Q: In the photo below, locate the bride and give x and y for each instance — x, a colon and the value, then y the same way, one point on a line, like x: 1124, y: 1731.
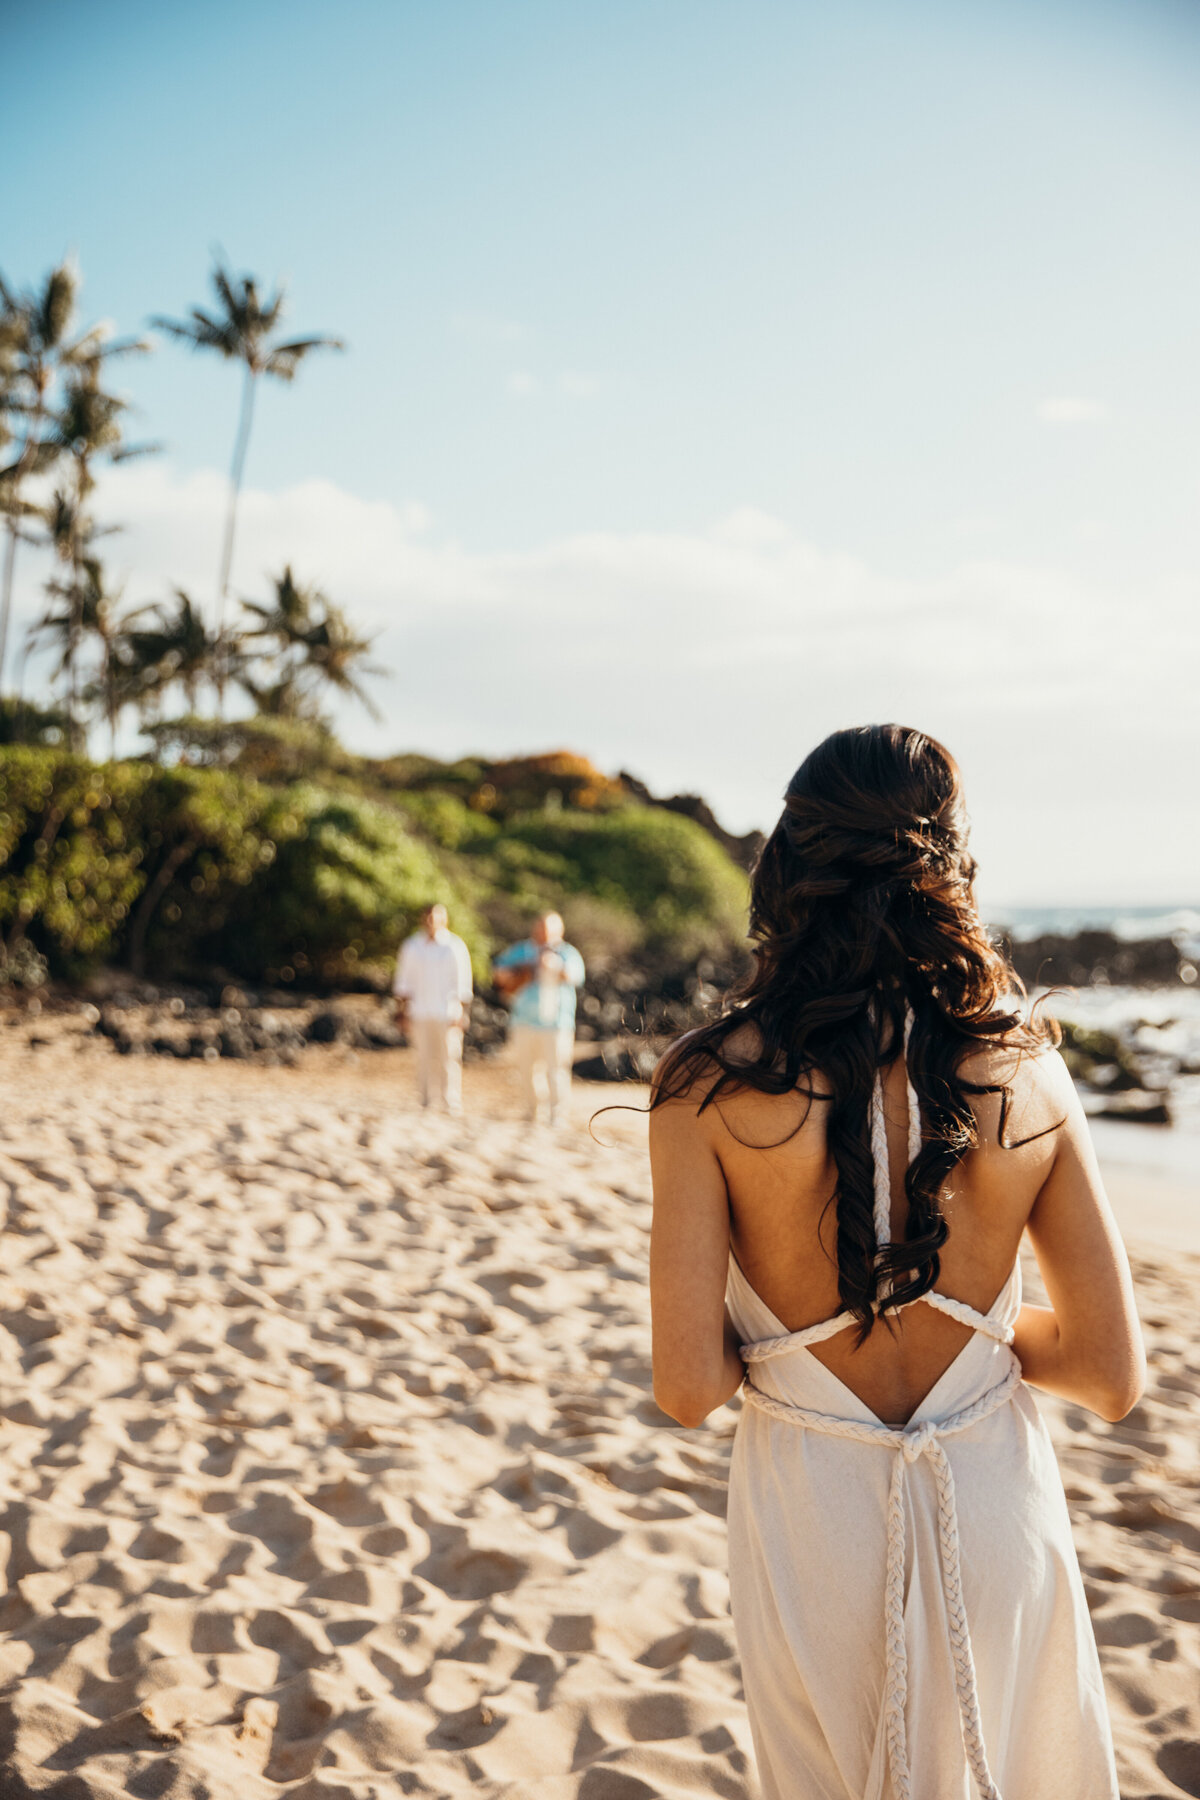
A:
x: 845, y: 1165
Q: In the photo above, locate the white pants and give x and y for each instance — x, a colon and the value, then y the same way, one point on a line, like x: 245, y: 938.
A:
x: 439, y: 1047
x: 544, y: 1068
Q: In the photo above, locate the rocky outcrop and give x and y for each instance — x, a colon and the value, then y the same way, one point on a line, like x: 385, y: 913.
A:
x: 628, y: 1012
x: 742, y: 850
x: 1093, y: 958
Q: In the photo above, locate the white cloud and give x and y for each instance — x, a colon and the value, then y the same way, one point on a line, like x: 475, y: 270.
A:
x: 521, y: 384
x: 1069, y: 409
x: 711, y: 660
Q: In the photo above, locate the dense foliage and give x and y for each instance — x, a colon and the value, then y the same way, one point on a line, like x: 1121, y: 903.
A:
x: 125, y: 859
x: 184, y: 869
x: 653, y: 866
x: 345, y: 884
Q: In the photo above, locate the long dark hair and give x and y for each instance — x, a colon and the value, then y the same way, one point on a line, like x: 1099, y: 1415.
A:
x: 862, y: 907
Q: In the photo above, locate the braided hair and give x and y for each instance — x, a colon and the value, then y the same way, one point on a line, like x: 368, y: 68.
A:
x: 861, y: 908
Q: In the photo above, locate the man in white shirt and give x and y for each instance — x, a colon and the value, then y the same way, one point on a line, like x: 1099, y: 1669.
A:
x: 433, y: 998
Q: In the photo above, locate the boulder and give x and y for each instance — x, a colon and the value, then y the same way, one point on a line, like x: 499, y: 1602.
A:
x: 618, y: 1061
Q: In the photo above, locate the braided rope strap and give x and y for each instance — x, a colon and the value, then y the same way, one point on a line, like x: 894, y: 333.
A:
x: 914, y: 1105
x: 965, y: 1315
x: 879, y: 1148
x: 910, y: 1444
x: 883, y: 1181
x: 762, y: 1349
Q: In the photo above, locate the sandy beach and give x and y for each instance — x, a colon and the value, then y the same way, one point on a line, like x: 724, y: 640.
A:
x: 330, y: 1467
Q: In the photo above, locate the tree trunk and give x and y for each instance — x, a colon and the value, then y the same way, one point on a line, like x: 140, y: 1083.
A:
x: 75, y: 625
x: 28, y: 451
x: 148, y: 904
x: 10, y: 563
x: 240, y: 446
x: 49, y: 832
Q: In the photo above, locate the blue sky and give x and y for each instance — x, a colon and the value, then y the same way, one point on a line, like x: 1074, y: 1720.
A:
x: 716, y: 372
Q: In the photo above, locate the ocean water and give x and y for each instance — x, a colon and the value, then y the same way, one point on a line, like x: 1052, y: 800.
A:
x: 1182, y: 923
x: 1162, y: 1026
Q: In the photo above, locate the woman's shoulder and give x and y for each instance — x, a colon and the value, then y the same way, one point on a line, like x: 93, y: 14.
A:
x: 1022, y: 1090
x: 687, y: 1071
x: 1030, y: 1056
x: 732, y: 1064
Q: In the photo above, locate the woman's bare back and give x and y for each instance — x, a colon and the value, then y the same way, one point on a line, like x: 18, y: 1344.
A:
x: 781, y: 1178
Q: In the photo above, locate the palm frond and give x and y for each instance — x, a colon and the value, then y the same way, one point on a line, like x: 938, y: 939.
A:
x: 56, y: 304
x: 127, y: 346
x: 86, y: 349
x: 284, y: 359
x: 232, y: 302
x: 128, y: 452
x: 202, y: 333
x: 270, y: 314
x: 33, y: 461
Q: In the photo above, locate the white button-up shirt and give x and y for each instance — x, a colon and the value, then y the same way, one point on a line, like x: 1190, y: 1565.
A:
x: 434, y: 975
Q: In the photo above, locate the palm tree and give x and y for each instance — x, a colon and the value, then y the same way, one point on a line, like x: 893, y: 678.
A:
x: 336, y: 656
x: 313, y: 644
x: 178, y: 647
x: 281, y: 697
x: 11, y: 400
x: 291, y: 614
x: 86, y: 426
x: 88, y: 610
x: 113, y: 684
x: 285, y: 624
x: 36, y: 331
x: 240, y: 329
x: 71, y: 532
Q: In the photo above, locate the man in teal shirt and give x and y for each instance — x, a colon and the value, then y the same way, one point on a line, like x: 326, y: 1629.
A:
x: 540, y: 976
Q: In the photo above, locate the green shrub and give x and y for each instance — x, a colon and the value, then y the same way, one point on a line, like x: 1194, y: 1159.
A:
x: 605, y: 935
x: 178, y: 870
x: 658, y: 867
x: 346, y: 884
x: 173, y: 870
x: 24, y: 722
x: 445, y: 819
x: 263, y: 748
x: 97, y: 859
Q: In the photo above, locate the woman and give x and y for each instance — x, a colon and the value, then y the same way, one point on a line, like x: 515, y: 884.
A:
x: 844, y: 1166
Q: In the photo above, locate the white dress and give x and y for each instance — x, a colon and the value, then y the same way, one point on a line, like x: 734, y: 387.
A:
x: 907, y: 1600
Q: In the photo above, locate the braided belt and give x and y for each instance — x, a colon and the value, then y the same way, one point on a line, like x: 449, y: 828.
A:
x: 910, y: 1445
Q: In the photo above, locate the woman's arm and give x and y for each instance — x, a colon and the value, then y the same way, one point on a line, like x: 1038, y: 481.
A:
x: 696, y: 1361
x: 1087, y: 1345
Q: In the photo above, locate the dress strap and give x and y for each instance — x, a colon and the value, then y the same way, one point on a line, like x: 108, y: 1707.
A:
x: 966, y: 1315
x: 879, y: 1148
x: 763, y: 1349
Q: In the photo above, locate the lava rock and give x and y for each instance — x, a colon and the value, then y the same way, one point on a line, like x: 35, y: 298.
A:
x: 618, y: 1062
x: 1137, y: 1107
x: 326, y: 1027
